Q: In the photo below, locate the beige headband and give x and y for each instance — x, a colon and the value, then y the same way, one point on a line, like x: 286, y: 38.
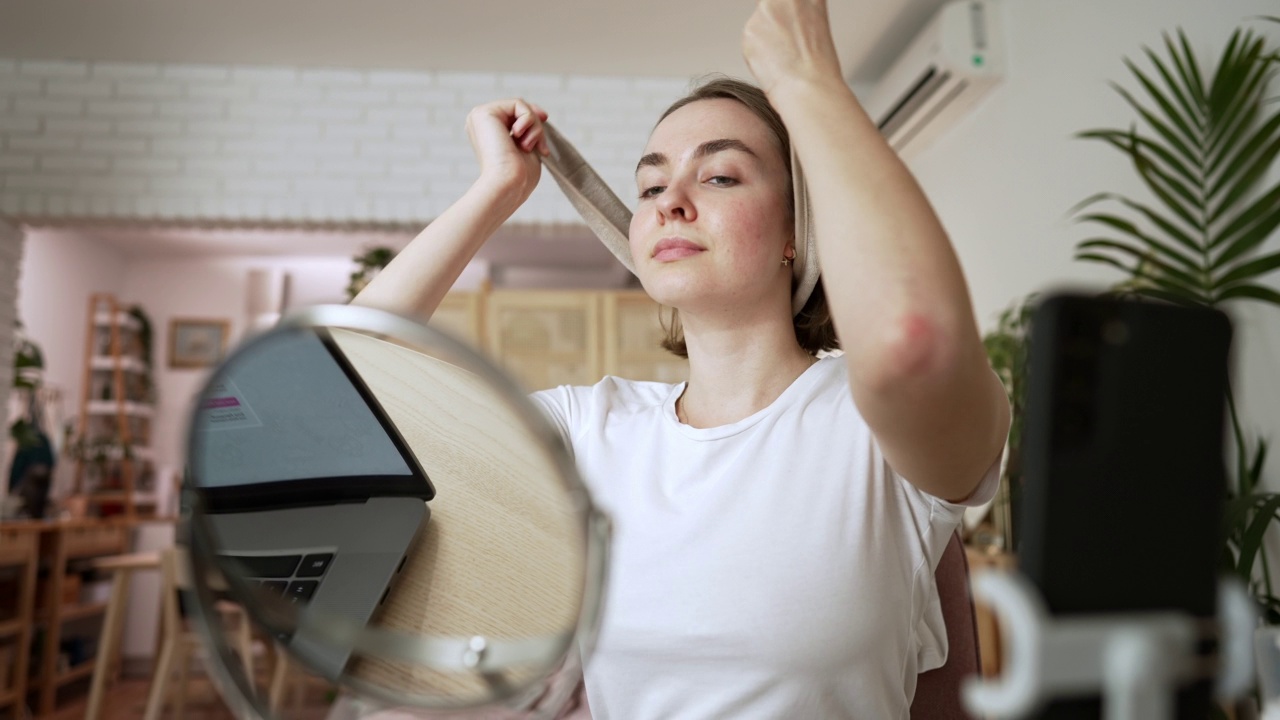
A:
x: 610, y: 220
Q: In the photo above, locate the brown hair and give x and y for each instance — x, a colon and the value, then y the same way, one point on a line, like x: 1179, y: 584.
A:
x: 814, y: 328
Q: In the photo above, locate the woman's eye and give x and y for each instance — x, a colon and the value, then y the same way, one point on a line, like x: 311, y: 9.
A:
x: 722, y: 181
x: 651, y: 191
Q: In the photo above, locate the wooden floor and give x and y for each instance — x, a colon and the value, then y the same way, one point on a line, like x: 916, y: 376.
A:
x: 127, y: 700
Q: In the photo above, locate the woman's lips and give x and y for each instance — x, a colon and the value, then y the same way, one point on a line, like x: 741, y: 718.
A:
x: 675, y: 249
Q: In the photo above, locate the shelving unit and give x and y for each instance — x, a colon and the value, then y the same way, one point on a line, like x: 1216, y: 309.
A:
x: 115, y: 413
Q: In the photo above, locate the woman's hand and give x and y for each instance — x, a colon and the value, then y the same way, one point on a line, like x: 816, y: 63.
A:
x: 790, y: 40
x: 508, y: 138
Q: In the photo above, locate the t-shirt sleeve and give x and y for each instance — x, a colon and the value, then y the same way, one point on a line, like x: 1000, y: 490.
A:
x: 936, y: 520
x: 556, y: 405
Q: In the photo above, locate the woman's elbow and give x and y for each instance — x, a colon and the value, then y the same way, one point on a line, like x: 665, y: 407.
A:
x: 912, y: 351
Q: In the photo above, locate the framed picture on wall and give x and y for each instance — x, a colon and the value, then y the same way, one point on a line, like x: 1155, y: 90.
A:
x: 197, y: 343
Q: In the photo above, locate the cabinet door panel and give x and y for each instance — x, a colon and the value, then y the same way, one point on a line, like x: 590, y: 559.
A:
x: 461, y: 314
x: 546, y: 338
x: 633, y: 334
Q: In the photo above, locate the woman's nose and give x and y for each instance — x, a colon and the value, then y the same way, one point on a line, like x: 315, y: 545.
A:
x: 676, y: 202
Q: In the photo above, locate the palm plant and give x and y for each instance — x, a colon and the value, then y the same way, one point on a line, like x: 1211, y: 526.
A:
x: 1204, y: 151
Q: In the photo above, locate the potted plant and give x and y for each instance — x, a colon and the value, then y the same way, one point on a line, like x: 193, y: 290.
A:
x: 368, y: 265
x: 1006, y: 347
x: 1203, y: 144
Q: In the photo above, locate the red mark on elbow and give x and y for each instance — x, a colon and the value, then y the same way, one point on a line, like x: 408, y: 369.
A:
x: 913, y: 348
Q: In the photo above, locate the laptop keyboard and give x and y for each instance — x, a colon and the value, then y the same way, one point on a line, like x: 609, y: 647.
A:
x: 296, y: 577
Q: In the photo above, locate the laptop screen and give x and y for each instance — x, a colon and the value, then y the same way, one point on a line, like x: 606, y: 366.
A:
x: 291, y: 415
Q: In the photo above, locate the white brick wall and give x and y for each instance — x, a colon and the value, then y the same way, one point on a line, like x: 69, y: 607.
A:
x: 197, y: 143
x: 10, y: 260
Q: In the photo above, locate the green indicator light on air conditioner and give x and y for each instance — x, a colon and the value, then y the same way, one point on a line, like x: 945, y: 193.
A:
x: 977, y: 61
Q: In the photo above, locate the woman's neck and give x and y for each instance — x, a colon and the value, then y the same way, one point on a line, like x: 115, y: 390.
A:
x: 738, y: 369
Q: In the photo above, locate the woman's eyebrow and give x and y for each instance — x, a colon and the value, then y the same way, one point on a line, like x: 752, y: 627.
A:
x: 709, y: 147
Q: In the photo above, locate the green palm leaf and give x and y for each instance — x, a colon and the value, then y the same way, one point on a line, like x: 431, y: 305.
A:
x: 1251, y: 269
x: 1239, y: 127
x: 1251, y: 292
x: 1161, y: 127
x: 1121, y: 141
x: 1250, y: 85
x: 1183, y: 123
x: 1139, y: 271
x: 1256, y: 150
x: 1196, y: 82
x: 1189, y: 108
x: 1249, y: 229
x: 1118, y: 223
x: 1170, y: 273
x: 1166, y: 225
x: 1251, y: 540
x: 1255, y: 166
x: 1159, y: 184
x: 1236, y: 65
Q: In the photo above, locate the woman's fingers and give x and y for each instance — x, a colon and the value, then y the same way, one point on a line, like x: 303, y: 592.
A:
x: 527, y: 130
x: 542, y: 140
x: 527, y: 127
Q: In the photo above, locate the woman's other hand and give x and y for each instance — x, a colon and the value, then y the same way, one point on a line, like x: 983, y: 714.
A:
x: 790, y: 39
x: 508, y: 140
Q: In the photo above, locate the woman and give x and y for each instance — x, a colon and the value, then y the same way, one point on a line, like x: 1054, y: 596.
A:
x: 777, y: 517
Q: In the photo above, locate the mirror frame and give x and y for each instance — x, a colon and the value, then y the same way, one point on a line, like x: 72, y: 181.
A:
x: 237, y: 690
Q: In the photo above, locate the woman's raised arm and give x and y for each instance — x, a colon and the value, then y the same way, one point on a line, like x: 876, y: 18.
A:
x: 508, y: 138
x: 897, y: 295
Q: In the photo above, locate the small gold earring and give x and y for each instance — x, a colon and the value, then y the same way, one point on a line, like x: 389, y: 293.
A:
x: 786, y: 262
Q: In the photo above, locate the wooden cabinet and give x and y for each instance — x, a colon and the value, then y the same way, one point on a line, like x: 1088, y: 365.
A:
x: 632, y: 334
x: 461, y: 314
x: 546, y: 338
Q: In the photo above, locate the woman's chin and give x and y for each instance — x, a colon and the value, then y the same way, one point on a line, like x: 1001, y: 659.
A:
x: 674, y: 292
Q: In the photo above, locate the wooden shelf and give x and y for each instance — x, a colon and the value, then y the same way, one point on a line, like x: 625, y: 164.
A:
x: 122, y: 496
x: 122, y: 318
x: 111, y: 407
x: 11, y: 627
x: 83, y: 670
x: 127, y: 363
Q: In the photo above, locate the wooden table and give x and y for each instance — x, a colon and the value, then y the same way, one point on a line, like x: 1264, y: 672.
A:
x: 58, y: 542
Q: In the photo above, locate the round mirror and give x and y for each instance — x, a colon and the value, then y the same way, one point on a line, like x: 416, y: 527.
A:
x: 372, y: 505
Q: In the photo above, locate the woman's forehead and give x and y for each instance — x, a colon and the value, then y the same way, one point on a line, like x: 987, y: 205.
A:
x: 683, y: 131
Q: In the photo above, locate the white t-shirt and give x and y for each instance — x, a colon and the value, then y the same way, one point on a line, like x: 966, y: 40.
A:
x: 772, y: 568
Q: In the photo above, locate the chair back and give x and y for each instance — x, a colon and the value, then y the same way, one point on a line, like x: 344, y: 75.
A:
x: 938, y: 691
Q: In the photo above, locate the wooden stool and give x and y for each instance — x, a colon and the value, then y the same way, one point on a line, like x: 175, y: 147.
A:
x: 179, y: 643
x: 121, y: 568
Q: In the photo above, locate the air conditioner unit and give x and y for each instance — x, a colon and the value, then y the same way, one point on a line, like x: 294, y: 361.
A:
x: 949, y: 66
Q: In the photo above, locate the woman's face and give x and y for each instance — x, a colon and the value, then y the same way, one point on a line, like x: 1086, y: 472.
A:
x: 712, y: 223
